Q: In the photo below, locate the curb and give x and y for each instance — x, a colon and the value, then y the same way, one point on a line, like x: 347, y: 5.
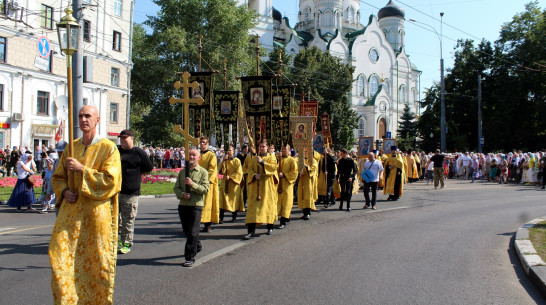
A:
x: 532, y: 264
x: 157, y: 196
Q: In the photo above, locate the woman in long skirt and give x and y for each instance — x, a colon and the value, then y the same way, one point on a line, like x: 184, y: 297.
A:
x: 23, y: 194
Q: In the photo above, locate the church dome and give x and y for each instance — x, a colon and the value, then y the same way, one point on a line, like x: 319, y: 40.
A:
x: 391, y: 10
x: 277, y: 15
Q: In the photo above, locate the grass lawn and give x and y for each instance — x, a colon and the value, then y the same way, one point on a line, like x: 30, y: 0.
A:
x: 537, y: 234
x: 145, y: 189
x: 156, y: 188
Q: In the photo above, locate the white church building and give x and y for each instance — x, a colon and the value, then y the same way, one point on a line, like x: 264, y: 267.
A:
x: 385, y: 80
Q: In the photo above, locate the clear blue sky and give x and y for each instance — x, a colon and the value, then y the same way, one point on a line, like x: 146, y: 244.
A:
x: 463, y: 19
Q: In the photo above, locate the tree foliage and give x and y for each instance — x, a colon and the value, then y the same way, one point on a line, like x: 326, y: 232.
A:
x: 326, y: 79
x: 407, y: 130
x: 171, y: 46
x: 513, y: 74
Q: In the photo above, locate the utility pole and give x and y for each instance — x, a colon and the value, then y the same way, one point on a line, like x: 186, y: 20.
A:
x: 442, y: 93
x: 77, y: 72
x: 479, y: 113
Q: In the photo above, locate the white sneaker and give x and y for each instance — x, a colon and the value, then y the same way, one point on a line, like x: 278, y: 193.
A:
x: 444, y: 187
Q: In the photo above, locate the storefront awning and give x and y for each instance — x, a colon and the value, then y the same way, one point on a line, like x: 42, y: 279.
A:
x: 44, y: 130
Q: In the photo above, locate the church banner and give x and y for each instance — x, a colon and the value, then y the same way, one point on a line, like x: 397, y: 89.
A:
x: 325, y: 123
x: 201, y: 114
x: 257, y: 94
x: 309, y: 108
x: 226, y: 105
x: 280, y: 114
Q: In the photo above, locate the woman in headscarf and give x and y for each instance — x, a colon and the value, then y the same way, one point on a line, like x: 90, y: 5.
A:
x: 22, y: 193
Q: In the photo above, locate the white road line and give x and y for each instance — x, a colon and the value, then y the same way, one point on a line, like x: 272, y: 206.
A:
x: 4, y: 229
x: 25, y: 229
x: 220, y: 252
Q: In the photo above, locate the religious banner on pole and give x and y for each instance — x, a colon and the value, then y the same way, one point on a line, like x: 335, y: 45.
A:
x: 257, y: 95
x: 280, y: 114
x: 309, y: 108
x: 302, y: 137
x: 226, y: 108
x: 326, y: 134
x: 201, y: 114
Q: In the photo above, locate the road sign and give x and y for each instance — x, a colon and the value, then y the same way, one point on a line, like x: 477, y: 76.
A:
x: 44, y: 48
x: 482, y: 141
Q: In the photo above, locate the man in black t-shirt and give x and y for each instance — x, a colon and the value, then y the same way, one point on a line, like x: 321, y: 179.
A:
x: 438, y: 160
x: 134, y: 162
x: 346, y: 172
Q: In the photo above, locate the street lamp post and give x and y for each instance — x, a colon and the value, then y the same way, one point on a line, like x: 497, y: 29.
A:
x: 68, y: 30
x: 442, y: 87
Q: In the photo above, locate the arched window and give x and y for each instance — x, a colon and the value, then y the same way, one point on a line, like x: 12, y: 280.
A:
x: 382, y: 128
x: 319, y: 18
x: 361, y: 127
x: 307, y: 14
x: 374, y: 85
x: 402, y: 95
x: 351, y: 14
x: 328, y: 18
x: 414, y: 95
x: 361, y: 85
x: 387, y: 87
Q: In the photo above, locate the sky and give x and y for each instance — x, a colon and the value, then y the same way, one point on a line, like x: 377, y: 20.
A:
x: 463, y: 19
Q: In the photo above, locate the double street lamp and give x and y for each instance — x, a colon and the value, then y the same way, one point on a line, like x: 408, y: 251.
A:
x: 68, y: 30
x: 442, y: 87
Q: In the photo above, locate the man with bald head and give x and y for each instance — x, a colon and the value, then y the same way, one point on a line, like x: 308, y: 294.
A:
x: 375, y: 168
x: 83, y: 246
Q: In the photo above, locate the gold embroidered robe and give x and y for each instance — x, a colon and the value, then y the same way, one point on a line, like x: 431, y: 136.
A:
x: 265, y: 209
x: 289, y: 168
x: 83, y: 245
x: 307, y: 185
x: 211, y: 209
x: 230, y: 193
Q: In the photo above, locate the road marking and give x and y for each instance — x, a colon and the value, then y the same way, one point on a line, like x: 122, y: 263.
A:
x: 220, y: 252
x: 4, y: 229
x: 26, y: 229
x: 389, y: 209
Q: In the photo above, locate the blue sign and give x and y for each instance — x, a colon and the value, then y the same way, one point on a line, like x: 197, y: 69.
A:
x: 389, y: 135
x: 482, y: 141
x: 44, y: 48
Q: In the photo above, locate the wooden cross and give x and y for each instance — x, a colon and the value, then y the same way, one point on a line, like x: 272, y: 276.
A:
x: 186, y: 100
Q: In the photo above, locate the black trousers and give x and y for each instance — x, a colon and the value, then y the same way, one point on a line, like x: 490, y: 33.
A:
x: 190, y: 217
x: 346, y: 190
x: 252, y: 227
x: 367, y: 187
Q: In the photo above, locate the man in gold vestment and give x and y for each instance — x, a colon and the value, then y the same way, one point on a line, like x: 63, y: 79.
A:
x: 261, y: 179
x: 394, y: 175
x: 211, y: 210
x: 82, y: 249
x: 288, y: 173
x: 307, y: 185
x: 231, y: 195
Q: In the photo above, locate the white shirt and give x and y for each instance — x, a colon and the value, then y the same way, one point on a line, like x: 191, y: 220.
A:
x: 21, y: 172
x: 466, y: 160
x: 375, y: 168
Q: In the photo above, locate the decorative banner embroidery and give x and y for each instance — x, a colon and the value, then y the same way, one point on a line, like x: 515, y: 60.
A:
x: 226, y: 106
x: 302, y: 137
x: 325, y: 123
x: 309, y: 108
x: 201, y: 114
x: 257, y: 94
x: 280, y: 113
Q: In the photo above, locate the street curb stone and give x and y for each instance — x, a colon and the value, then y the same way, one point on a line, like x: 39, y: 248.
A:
x: 533, y: 265
x: 157, y: 196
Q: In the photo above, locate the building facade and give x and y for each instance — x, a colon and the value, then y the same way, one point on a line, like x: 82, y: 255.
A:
x: 385, y: 80
x: 33, y: 84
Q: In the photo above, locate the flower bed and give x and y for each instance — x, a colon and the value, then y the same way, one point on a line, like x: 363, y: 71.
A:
x: 151, y: 179
x: 11, y: 181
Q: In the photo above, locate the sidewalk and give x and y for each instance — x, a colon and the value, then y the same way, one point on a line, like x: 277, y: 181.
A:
x: 533, y: 265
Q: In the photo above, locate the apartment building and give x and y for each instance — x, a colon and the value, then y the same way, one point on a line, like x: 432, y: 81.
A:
x: 33, y: 84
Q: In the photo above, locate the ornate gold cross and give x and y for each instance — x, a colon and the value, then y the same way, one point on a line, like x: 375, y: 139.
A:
x: 186, y: 100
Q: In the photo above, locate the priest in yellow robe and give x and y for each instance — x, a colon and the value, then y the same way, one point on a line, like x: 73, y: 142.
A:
x: 261, y: 179
x: 211, y: 210
x: 288, y: 174
x: 83, y: 245
x: 394, y: 169
x: 231, y: 195
x: 413, y: 175
x: 307, y: 185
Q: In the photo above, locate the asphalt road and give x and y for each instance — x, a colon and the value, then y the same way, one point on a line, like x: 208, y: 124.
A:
x: 450, y: 246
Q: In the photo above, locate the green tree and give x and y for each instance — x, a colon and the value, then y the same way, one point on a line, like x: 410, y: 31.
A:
x: 407, y: 130
x: 326, y: 79
x: 171, y: 46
